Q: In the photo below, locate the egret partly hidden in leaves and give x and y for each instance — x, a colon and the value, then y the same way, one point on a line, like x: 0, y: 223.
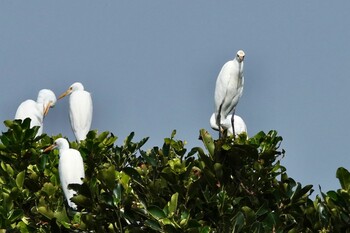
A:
x: 229, y: 89
x: 80, y: 110
x: 240, y: 126
x: 37, y: 110
x: 70, y: 168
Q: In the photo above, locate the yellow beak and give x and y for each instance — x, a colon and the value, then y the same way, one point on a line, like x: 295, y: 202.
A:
x: 47, y: 108
x: 50, y: 148
x: 65, y: 93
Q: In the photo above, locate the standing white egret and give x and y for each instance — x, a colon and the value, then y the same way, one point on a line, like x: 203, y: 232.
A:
x: 70, y: 168
x: 80, y: 110
x: 37, y: 110
x: 240, y: 126
x: 229, y: 89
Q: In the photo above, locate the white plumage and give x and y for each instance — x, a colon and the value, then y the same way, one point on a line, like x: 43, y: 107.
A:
x: 37, y: 110
x: 240, y: 126
x: 229, y: 89
x: 70, y: 168
x: 80, y: 110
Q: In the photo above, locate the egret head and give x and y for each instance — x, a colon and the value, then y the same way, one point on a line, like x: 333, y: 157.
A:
x: 74, y: 87
x: 240, y: 56
x: 77, y: 86
x: 60, y: 143
x: 47, y: 98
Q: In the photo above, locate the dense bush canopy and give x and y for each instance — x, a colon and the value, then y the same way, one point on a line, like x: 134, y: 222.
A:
x: 230, y: 186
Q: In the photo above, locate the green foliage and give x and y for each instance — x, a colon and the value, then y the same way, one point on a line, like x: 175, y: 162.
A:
x: 232, y: 186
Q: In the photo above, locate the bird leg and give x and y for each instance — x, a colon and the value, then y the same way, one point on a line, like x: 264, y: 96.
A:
x: 233, y: 125
x: 220, y: 128
x: 218, y: 122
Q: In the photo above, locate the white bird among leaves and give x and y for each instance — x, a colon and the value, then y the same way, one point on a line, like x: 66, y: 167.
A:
x: 229, y: 89
x: 70, y: 168
x: 80, y: 110
x: 37, y: 110
x: 240, y: 126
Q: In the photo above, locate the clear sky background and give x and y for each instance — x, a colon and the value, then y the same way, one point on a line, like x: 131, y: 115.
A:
x: 151, y: 67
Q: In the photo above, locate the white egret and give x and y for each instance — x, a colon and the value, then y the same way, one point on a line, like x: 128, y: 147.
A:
x: 229, y: 89
x: 240, y: 126
x: 70, y: 168
x: 80, y: 110
x: 37, y: 110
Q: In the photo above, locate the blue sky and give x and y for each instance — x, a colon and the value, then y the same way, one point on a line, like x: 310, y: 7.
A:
x: 151, y: 67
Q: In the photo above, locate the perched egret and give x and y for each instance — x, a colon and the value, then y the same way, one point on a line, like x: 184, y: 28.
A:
x: 80, y: 110
x: 228, y: 89
x: 70, y: 168
x: 240, y: 126
x: 37, y: 110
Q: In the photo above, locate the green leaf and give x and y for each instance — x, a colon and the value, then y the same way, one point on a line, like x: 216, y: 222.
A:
x: 49, y: 189
x: 15, y: 214
x: 150, y: 158
x: 43, y: 161
x: 8, y: 123
x: 81, y: 200
x: 117, y: 194
x: 153, y: 224
x: 173, y: 134
x: 7, y: 168
x: 208, y: 141
x: 20, y: 179
x: 44, y: 210
x: 61, y: 216
x: 249, y: 214
x: 172, y: 205
x: 102, y: 136
x: 108, y: 177
x: 205, y: 229
x: 133, y: 174
x: 218, y: 168
x: 156, y: 212
x: 185, y: 216
x: 129, y: 138
x: 344, y: 178
x: 238, y: 222
x: 270, y: 221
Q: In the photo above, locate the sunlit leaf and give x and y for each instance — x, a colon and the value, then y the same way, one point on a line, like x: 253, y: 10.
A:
x: 344, y: 178
x: 208, y: 141
x: 20, y: 179
x: 44, y: 210
x: 172, y: 205
x: 49, y: 189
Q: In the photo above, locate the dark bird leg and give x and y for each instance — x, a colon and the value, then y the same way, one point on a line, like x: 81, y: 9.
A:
x: 218, y: 121
x: 233, y: 124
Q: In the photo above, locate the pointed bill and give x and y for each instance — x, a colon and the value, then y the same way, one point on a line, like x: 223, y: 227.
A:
x: 47, y: 108
x: 50, y: 148
x: 65, y: 93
